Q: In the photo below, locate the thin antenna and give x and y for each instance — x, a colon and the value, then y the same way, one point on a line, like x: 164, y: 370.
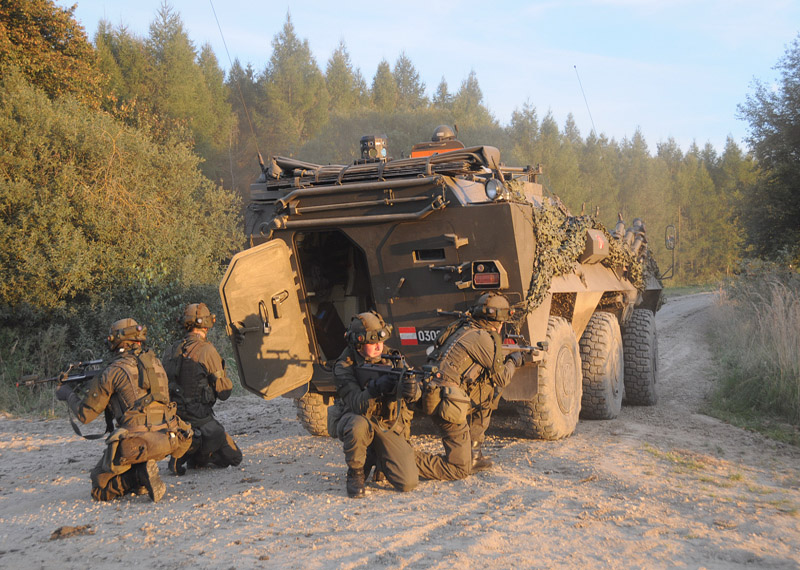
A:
x: 238, y: 86
x: 584, y: 100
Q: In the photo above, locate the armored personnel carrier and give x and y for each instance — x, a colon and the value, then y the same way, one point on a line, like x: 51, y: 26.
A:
x: 419, y: 239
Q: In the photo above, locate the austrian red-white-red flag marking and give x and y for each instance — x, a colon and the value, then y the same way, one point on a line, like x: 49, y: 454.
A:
x: 408, y: 335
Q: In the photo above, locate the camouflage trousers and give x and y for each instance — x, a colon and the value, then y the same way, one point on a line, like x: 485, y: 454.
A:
x: 393, y: 452
x: 214, y: 446
x: 118, y: 471
x: 457, y: 439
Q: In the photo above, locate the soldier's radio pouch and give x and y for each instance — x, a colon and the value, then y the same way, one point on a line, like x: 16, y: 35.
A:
x: 454, y: 406
x: 446, y: 400
x: 431, y: 397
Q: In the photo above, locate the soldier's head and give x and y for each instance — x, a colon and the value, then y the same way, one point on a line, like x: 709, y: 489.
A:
x: 367, y: 333
x: 443, y: 133
x: 492, y: 309
x: 125, y: 334
x: 197, y: 316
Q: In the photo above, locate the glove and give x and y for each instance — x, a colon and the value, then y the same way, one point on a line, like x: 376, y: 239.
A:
x: 380, y: 386
x: 517, y: 358
x: 63, y: 392
x: 411, y: 389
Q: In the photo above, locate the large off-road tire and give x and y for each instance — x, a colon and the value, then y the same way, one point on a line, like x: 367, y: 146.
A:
x: 312, y: 411
x: 640, y: 345
x: 603, y: 366
x: 553, y: 412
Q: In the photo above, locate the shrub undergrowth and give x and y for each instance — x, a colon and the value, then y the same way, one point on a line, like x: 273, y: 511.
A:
x: 44, y: 343
x: 756, y: 335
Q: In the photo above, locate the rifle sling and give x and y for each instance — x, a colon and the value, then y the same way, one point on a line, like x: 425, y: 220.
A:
x: 77, y: 430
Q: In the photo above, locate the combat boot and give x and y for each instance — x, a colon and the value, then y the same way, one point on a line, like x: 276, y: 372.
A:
x: 151, y: 480
x: 372, y: 461
x: 176, y: 466
x: 479, y: 461
x: 356, y: 488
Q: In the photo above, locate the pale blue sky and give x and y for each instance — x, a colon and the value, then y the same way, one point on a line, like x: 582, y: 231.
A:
x: 672, y: 68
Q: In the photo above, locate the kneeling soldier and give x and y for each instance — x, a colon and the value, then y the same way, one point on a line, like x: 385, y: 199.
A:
x: 133, y: 390
x: 369, y: 416
x: 197, y: 379
x: 472, y: 371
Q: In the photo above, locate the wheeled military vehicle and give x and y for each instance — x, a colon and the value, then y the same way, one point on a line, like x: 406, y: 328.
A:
x: 419, y: 239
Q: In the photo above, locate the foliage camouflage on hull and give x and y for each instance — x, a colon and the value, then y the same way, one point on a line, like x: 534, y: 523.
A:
x: 560, y: 240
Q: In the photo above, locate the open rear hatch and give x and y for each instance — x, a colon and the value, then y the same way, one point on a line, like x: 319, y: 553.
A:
x: 265, y: 321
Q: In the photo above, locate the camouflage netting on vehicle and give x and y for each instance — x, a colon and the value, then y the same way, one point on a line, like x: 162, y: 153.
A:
x: 561, y: 239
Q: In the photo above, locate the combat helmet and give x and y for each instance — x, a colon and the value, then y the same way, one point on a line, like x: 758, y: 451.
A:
x: 492, y: 307
x: 125, y: 330
x: 367, y: 328
x: 197, y: 315
x: 443, y: 133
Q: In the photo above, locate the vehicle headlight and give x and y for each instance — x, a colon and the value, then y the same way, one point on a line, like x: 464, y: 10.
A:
x: 493, y: 188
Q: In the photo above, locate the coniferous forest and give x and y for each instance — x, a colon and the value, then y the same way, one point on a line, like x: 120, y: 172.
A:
x: 126, y: 163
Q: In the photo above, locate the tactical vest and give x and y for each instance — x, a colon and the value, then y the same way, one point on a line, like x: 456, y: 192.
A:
x: 454, y: 361
x: 145, y: 398
x: 188, y: 379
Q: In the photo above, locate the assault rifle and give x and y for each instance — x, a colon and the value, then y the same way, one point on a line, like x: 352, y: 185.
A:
x: 520, y: 345
x: 76, y: 373
x: 398, y: 370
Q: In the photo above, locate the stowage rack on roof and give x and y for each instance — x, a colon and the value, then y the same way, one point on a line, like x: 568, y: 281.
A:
x: 287, y: 173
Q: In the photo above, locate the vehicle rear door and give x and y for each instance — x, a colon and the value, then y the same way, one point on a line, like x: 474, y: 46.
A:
x: 265, y: 322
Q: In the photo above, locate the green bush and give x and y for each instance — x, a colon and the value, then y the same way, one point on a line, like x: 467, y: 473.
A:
x: 756, y: 332
x: 100, y: 222
x: 91, y: 206
x: 43, y: 343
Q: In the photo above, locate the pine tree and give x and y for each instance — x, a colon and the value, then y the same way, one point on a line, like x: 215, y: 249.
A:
x: 296, y: 99
x: 384, y: 88
x: 215, y: 124
x: 468, y: 107
x: 442, y: 99
x: 524, y: 133
x: 410, y: 89
x: 342, y: 82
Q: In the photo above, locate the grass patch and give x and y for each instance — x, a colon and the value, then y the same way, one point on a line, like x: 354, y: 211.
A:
x: 759, y: 489
x: 680, y: 458
x: 755, y: 335
x: 773, y: 427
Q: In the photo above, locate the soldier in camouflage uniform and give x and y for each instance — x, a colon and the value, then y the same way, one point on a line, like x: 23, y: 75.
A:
x: 197, y: 379
x: 133, y: 390
x: 472, y: 373
x: 367, y: 416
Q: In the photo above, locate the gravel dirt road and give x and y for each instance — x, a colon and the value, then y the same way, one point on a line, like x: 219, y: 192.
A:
x: 658, y: 487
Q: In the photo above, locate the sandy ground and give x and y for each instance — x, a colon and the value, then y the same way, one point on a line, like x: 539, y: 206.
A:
x: 659, y: 487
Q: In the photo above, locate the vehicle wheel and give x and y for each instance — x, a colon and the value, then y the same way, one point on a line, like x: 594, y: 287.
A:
x: 553, y: 412
x: 313, y: 413
x: 640, y: 346
x: 603, y: 366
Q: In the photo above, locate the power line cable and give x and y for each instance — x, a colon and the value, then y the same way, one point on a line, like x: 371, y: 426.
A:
x: 584, y: 100
x: 238, y: 85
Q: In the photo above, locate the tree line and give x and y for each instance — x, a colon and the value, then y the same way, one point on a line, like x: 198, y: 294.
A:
x: 129, y: 155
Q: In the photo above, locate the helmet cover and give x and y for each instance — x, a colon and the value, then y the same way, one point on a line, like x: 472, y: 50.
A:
x: 197, y: 315
x: 125, y: 330
x: 368, y: 328
x: 492, y: 307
